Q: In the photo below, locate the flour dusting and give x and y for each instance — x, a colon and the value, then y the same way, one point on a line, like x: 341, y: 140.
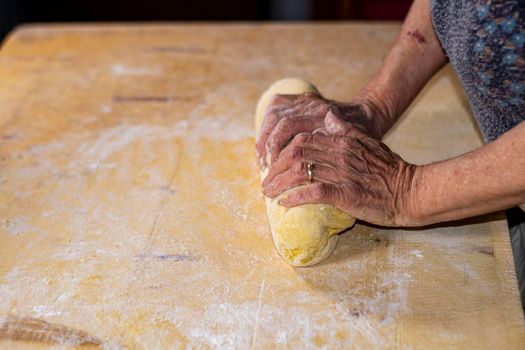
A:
x: 120, y: 69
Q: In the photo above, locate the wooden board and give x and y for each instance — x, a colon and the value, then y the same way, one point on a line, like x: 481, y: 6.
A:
x: 130, y: 206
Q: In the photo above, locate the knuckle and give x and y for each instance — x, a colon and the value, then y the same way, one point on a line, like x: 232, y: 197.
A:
x: 284, y: 122
x: 319, y: 192
x: 302, y: 138
x: 297, y: 153
x: 275, y: 99
x: 270, y: 114
x: 298, y: 169
x: 323, y: 108
x: 277, y: 134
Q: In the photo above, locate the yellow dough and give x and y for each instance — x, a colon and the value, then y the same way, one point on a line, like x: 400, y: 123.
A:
x: 307, y: 234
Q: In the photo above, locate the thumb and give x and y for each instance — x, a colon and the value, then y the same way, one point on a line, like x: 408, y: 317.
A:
x: 336, y: 126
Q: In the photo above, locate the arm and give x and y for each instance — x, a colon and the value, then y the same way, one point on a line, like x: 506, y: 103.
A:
x: 362, y: 176
x: 487, y: 179
x: 415, y: 57
x: 413, y: 60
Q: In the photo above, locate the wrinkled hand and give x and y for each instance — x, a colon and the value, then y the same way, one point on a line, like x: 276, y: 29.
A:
x: 352, y: 171
x: 289, y: 115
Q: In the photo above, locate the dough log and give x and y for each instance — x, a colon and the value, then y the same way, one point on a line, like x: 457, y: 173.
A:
x: 307, y: 234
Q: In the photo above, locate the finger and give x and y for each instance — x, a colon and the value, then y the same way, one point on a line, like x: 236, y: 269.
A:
x: 298, y: 154
x: 280, y: 106
x: 304, y: 104
x: 282, y: 99
x: 337, y: 126
x: 313, y: 140
x: 298, y: 175
x: 293, y: 153
x: 320, y: 140
x: 286, y: 129
x: 271, y: 118
x: 321, y: 131
x: 317, y: 140
x: 316, y: 193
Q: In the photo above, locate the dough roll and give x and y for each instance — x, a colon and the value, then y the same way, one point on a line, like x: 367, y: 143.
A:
x: 307, y: 234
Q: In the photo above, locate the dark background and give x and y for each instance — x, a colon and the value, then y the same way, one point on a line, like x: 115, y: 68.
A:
x: 13, y: 12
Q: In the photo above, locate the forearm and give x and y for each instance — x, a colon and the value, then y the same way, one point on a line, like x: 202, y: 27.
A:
x: 487, y: 179
x: 415, y: 57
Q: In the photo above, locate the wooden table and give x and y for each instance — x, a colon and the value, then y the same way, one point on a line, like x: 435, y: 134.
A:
x: 130, y: 206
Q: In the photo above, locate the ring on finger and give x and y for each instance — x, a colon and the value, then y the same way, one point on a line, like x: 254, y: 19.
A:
x: 310, y: 171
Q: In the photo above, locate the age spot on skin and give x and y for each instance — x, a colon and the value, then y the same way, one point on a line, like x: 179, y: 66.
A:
x: 417, y: 35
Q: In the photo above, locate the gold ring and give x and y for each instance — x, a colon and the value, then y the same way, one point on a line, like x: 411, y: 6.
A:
x: 310, y: 171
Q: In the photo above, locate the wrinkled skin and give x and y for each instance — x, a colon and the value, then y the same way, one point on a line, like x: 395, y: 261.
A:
x: 352, y: 171
x: 289, y: 115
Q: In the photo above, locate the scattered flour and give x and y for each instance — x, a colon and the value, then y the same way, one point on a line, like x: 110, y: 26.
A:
x: 223, y: 320
x: 120, y: 69
x: 417, y: 253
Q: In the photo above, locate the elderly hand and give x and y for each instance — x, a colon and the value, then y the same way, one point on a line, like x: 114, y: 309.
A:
x: 289, y: 115
x: 351, y: 171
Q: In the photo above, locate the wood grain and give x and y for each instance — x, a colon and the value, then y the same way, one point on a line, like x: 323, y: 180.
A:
x: 130, y: 205
x: 35, y: 330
